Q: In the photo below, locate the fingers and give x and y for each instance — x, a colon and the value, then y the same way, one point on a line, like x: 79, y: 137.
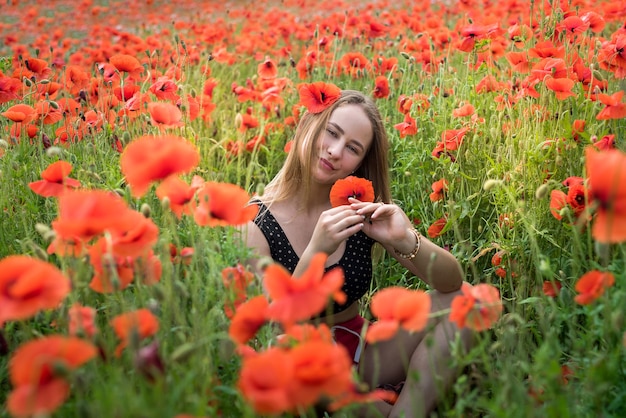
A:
x: 371, y: 209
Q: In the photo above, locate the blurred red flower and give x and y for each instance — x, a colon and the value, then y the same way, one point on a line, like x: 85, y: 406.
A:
x: 591, y: 285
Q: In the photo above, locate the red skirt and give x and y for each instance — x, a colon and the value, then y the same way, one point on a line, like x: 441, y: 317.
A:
x: 349, y: 334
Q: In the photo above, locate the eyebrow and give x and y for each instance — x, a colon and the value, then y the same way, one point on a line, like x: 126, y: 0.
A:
x: 353, y: 141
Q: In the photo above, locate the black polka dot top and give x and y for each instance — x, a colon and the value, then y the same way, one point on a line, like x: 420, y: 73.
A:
x: 356, y: 260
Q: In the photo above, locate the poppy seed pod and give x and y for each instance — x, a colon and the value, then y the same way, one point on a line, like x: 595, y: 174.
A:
x: 541, y: 191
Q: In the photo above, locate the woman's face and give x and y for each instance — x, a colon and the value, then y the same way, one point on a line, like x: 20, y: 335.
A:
x: 343, y: 145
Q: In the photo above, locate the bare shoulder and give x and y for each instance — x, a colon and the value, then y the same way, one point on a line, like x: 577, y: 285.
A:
x: 255, y: 239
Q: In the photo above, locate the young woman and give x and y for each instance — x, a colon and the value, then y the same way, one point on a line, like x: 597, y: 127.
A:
x: 296, y: 221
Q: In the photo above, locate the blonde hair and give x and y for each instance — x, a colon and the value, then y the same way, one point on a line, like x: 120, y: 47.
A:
x: 293, y: 176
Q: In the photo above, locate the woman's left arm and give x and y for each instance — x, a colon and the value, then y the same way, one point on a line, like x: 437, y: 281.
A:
x: 389, y: 225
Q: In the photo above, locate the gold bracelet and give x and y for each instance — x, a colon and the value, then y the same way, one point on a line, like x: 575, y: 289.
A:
x: 418, y: 243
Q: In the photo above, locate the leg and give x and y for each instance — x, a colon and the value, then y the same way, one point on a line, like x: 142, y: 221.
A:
x: 421, y: 359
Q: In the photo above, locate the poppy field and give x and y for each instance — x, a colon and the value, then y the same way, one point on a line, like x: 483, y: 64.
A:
x: 133, y: 135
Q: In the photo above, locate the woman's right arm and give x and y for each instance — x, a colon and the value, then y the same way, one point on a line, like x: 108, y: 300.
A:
x: 254, y: 239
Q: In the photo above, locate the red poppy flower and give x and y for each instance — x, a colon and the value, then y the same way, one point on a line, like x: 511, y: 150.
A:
x: 82, y: 321
x: 397, y: 307
x: 607, y: 187
x: 318, y: 96
x: 438, y: 187
x: 20, y: 113
x: 607, y: 142
x: 165, y: 115
x: 164, y: 88
x: 154, y: 158
x: 265, y: 380
x: 614, y: 107
x: 464, y: 110
x: 111, y: 273
x: 407, y: 127
x: 381, y: 87
x: 562, y: 87
x: 267, y: 69
x: 141, y: 323
x: 249, y: 317
x: 9, y: 89
x: 84, y: 214
x: 29, y: 285
x: 296, y: 299
x: 179, y: 193
x: 222, y: 204
x: 551, y: 289
x: 236, y: 280
x: 48, y: 114
x: 577, y: 198
x: 125, y: 63
x: 351, y: 187
x: 321, y: 370
x: 558, y: 200
x: 39, y: 389
x: 246, y: 121
x: 596, y: 22
x: 55, y: 180
x: 434, y: 230
x: 592, y: 285
x: 572, y: 26
x: 478, y: 308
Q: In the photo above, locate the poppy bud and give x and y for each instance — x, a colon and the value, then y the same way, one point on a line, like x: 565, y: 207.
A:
x: 28, y: 82
x: 181, y: 289
x: 404, y: 55
x: 264, y: 262
x: 184, y: 352
x: 165, y: 203
x: 541, y: 191
x: 153, y: 306
x: 260, y: 189
x: 45, y: 231
x: 602, y: 250
x: 145, y: 210
x: 54, y: 151
x: 490, y: 184
x: 39, y: 252
x: 545, y: 268
x: 158, y: 292
x: 238, y: 120
x: 44, y: 81
x: 53, y: 104
x: 617, y: 319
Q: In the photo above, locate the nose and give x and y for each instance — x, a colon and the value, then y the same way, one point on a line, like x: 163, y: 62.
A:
x: 334, y: 149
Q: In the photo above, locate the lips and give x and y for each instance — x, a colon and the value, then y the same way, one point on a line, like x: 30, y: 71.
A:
x: 326, y: 164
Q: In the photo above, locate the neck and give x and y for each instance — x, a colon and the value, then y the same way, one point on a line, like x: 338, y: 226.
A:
x: 317, y: 201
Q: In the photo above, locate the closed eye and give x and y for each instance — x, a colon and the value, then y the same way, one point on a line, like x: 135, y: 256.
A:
x: 332, y: 133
